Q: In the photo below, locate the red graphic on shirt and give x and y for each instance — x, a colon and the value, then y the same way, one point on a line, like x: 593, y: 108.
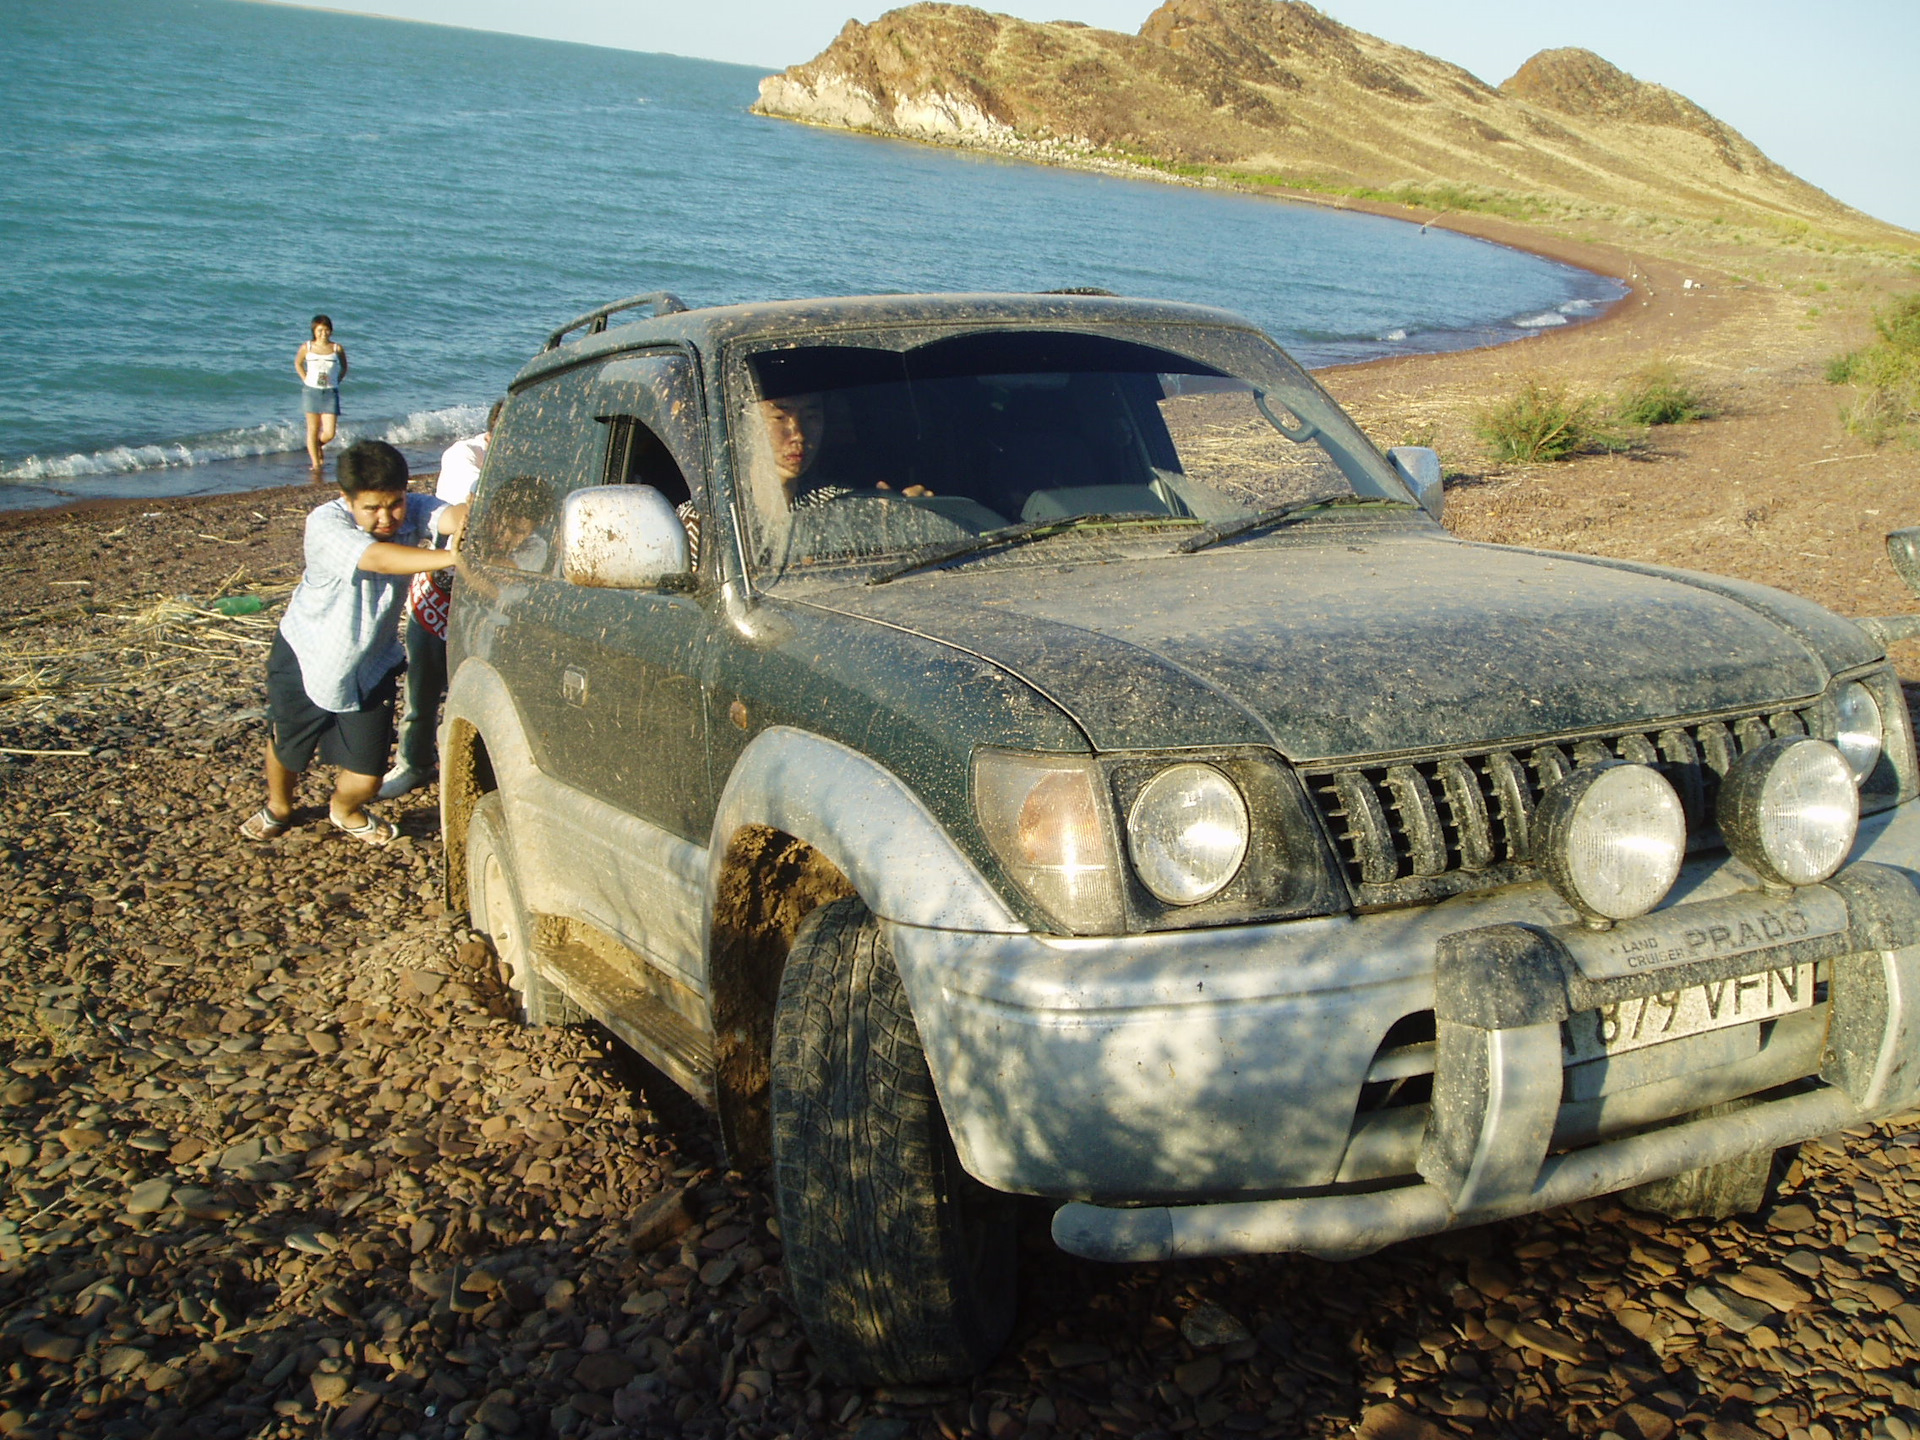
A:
x: 431, y: 599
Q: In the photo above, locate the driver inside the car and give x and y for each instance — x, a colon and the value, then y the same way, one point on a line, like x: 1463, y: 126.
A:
x: 788, y: 440
x: 788, y: 433
x: 796, y: 428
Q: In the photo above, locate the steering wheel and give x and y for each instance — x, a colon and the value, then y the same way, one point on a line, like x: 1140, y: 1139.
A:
x: 961, y: 509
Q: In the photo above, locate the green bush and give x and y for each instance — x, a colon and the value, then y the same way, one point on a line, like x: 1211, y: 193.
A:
x: 1899, y: 324
x: 1660, y: 394
x: 1544, y: 422
x: 1885, y: 376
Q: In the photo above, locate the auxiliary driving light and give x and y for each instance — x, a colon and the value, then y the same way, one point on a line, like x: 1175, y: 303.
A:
x: 1790, y: 809
x: 1610, y: 838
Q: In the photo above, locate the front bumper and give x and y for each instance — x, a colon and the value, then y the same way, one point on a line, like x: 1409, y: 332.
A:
x: 1219, y: 1073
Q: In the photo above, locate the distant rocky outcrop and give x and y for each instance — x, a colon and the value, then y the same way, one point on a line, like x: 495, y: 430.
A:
x: 1282, y: 93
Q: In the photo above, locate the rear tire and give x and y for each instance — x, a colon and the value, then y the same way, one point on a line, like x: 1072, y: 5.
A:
x: 495, y: 910
x: 902, y: 1265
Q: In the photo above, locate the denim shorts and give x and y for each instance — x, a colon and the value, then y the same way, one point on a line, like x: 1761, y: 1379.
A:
x: 316, y: 401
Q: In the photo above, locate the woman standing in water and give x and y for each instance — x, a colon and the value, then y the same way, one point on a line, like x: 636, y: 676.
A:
x: 321, y: 364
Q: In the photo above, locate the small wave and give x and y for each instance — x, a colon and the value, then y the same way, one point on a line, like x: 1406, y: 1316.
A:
x: 423, y: 427
x: 1544, y: 320
x: 1394, y: 336
x: 1579, y: 307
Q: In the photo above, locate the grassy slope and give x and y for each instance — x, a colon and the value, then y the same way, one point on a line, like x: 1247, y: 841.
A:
x: 1279, y: 96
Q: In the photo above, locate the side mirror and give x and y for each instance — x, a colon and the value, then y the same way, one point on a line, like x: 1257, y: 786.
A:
x: 622, y: 537
x: 1903, y: 548
x: 1420, y: 468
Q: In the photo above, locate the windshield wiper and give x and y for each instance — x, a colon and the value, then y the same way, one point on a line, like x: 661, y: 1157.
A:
x: 1022, y: 534
x: 1278, y: 515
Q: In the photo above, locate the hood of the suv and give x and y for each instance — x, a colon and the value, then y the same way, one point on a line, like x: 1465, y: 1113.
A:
x: 1357, y: 643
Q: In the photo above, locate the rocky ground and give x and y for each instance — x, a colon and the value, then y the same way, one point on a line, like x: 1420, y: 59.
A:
x: 277, y: 1164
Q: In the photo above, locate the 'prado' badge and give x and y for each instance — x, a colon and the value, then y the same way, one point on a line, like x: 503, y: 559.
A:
x: 1711, y: 930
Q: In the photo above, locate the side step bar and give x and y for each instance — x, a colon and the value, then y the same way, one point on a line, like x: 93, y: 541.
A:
x: 630, y: 1011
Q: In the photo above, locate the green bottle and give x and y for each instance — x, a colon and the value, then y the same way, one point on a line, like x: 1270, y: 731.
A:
x: 239, y: 605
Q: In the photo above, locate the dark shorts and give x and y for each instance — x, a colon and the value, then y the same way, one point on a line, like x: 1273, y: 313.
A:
x: 357, y: 740
x: 315, y: 401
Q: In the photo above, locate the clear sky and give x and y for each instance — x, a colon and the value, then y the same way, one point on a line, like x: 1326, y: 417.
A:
x: 1825, y: 87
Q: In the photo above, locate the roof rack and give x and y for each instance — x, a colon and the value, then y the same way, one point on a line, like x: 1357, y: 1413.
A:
x: 662, y: 302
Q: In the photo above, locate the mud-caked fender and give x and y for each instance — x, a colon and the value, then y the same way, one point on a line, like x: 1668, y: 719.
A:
x: 862, y: 818
x: 483, y: 746
x: 801, y: 821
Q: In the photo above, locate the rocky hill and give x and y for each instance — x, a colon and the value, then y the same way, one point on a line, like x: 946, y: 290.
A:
x: 1281, y: 94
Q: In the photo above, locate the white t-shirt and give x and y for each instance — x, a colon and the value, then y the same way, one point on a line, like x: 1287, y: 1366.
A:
x: 459, y: 468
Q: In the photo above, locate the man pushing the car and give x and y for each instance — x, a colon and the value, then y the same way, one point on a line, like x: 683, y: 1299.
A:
x: 331, y: 673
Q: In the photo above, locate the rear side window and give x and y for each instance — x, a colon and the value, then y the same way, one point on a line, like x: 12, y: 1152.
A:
x: 546, y: 445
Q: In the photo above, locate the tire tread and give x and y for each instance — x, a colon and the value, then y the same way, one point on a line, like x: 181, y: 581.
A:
x: 864, y: 1172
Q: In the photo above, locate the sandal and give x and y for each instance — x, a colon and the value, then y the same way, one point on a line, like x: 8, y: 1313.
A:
x: 374, y: 831
x: 264, y: 825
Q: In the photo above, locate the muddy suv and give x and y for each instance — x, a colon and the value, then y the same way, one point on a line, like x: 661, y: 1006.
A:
x: 1001, y: 746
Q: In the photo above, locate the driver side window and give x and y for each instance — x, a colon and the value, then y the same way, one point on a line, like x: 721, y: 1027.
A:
x: 650, y: 407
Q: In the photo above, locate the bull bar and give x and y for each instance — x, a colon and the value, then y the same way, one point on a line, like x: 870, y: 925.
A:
x: 1503, y: 993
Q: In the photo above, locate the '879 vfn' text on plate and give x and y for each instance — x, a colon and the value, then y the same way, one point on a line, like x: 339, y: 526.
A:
x: 1691, y: 1010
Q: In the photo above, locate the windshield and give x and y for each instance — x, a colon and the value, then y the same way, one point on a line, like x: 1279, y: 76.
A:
x: 875, y: 449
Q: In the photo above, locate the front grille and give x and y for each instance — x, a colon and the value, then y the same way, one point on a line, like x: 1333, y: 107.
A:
x: 1421, y: 828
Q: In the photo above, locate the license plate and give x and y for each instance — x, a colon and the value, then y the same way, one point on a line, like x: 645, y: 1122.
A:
x: 1690, y: 1010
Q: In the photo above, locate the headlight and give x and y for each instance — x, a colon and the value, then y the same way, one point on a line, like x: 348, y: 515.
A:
x: 1860, y: 731
x: 1187, y: 833
x: 1610, y: 838
x: 1790, y: 808
x: 1047, y: 821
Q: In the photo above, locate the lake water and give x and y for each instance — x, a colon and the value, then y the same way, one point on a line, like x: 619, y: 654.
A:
x: 187, y: 181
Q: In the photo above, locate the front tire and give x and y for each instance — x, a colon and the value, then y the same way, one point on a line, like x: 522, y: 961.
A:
x: 1743, y: 1185
x: 902, y: 1265
x: 495, y: 910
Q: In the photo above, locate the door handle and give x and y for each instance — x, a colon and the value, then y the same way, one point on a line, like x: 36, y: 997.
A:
x: 573, y: 685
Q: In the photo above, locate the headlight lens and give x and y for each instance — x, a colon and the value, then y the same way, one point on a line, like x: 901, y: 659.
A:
x: 1860, y: 734
x: 1187, y: 833
x: 1611, y: 838
x: 1790, y: 809
x: 1047, y: 821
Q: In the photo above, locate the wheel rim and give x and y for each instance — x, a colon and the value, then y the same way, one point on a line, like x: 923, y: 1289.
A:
x: 501, y: 920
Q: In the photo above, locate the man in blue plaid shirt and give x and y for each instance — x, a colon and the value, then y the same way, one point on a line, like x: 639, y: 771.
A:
x: 332, y: 671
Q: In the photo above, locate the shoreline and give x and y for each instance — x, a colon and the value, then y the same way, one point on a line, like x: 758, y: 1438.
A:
x: 1598, y: 259
x: 1512, y: 234
x: 1580, y: 256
